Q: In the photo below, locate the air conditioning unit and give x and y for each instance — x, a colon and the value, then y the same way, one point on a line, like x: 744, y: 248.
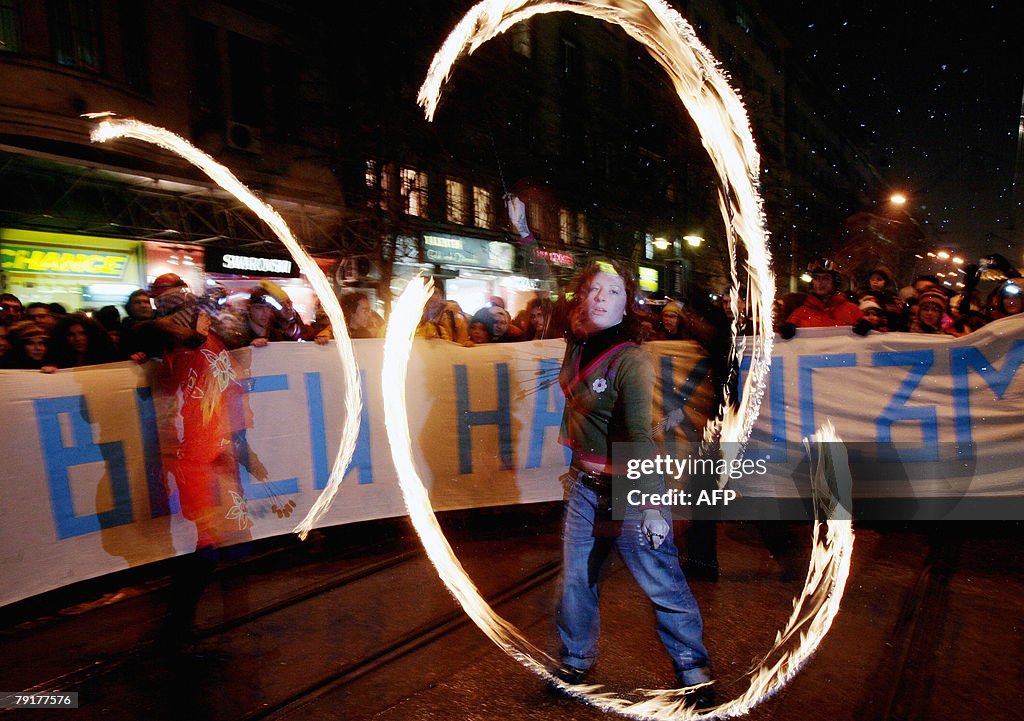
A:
x: 244, y: 137
x: 356, y: 269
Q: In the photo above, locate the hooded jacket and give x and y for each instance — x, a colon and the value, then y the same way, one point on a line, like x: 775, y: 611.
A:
x: 816, y: 313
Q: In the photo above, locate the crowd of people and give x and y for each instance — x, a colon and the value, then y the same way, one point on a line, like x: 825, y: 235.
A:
x: 881, y: 305
x: 46, y: 337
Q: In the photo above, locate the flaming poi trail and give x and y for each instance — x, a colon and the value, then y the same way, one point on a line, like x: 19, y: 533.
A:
x: 725, y: 132
x: 110, y: 129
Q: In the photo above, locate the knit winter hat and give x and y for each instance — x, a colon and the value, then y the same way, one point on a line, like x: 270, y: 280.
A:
x: 933, y: 295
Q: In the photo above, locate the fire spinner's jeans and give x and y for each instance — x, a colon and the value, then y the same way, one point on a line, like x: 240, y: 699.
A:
x: 588, y: 534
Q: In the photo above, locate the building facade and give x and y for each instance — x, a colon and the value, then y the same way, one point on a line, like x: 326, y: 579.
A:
x: 314, y: 107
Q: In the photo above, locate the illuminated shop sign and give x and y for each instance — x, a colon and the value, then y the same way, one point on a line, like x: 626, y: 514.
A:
x: 228, y: 262
x: 16, y: 258
x: 555, y: 258
x: 648, y: 279
x: 460, y: 250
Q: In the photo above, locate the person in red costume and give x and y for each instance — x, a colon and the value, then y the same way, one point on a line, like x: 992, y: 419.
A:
x: 202, y: 415
x: 826, y: 306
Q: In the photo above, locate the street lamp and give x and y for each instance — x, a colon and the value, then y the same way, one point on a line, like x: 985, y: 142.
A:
x: 694, y: 241
x: 898, y: 199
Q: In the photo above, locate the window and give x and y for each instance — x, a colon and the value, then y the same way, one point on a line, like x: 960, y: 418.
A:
x: 414, y: 192
x: 582, y: 229
x: 370, y: 182
x: 379, y: 187
x: 133, y: 44
x: 744, y: 19
x: 387, y: 186
x: 74, y: 33
x: 535, y: 219
x: 457, y: 205
x: 247, y: 80
x: 522, y: 40
x: 483, y: 207
x: 206, y: 91
x: 564, y: 226
x: 10, y: 26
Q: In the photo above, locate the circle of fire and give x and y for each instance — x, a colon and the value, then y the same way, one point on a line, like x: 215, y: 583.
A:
x: 725, y: 133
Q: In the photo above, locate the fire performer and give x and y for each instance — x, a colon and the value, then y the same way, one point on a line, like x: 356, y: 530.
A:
x: 200, y: 426
x: 608, y: 381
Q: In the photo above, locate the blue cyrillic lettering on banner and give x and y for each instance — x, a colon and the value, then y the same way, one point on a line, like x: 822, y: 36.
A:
x: 676, y: 399
x: 58, y: 458
x: 808, y: 363
x: 920, y: 362
x: 777, y: 404
x: 250, y: 486
x: 961, y: 362
x: 362, y: 457
x: 159, y: 503
x: 467, y: 419
x: 544, y: 416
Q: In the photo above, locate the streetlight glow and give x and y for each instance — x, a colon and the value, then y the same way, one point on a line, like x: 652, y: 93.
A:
x: 693, y: 240
x: 943, y: 255
x: 898, y: 199
x: 806, y: 278
x: 660, y: 243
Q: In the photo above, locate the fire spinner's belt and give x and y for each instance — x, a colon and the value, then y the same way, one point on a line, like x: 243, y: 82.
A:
x: 601, y: 482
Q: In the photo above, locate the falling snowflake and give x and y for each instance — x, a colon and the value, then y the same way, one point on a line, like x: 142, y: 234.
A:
x: 239, y: 511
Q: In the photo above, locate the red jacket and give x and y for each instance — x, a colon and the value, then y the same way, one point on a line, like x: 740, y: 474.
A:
x: 815, y: 313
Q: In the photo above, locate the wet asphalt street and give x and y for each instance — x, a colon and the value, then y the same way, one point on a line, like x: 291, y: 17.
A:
x: 356, y: 625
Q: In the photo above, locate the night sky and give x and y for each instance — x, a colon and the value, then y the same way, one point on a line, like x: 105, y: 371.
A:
x: 937, y: 88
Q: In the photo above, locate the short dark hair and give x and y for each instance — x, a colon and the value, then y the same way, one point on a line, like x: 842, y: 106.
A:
x: 350, y: 303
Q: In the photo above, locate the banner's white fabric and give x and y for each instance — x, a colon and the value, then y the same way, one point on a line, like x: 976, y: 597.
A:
x: 82, y: 492
x: 924, y: 416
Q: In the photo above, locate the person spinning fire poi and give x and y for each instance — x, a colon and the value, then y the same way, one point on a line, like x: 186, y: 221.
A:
x: 608, y: 380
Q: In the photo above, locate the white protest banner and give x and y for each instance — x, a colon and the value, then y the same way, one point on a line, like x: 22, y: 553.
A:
x: 83, y: 492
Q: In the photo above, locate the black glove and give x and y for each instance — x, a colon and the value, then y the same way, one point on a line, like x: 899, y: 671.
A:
x: 862, y: 327
x: 787, y: 330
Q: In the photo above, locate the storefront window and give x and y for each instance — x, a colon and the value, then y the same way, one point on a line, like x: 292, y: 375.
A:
x: 79, y: 272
